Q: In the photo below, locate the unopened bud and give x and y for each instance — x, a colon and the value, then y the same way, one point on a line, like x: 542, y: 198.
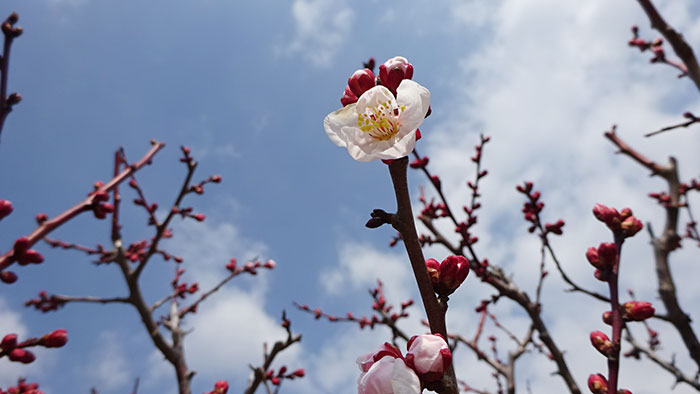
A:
x: 22, y: 356
x: 221, y: 387
x: 637, y: 310
x: 57, y: 338
x: 598, y: 384
x: 361, y: 81
x: 8, y: 343
x: 5, y: 208
x: 602, y: 343
x: 348, y: 97
x: 395, y: 70
x: 8, y: 277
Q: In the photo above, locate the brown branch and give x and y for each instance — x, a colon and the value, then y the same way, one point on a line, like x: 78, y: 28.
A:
x: 404, y: 224
x: 161, y: 228
x: 49, y: 225
x: 95, y: 300
x: 258, y: 376
x: 668, y: 366
x: 10, y: 32
x: 680, y: 46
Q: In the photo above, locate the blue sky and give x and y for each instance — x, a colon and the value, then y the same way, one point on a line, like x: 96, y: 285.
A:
x: 246, y: 85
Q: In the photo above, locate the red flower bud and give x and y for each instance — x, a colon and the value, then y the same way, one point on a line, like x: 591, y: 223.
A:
x: 231, y: 266
x: 602, y: 343
x: 58, y: 338
x: 607, y: 318
x: 598, y: 384
x: 448, y: 275
x: 8, y: 277
x: 221, y: 387
x: 5, y: 208
x: 361, y: 81
x: 22, y: 356
x: 348, y: 97
x: 216, y: 179
x: 299, y: 373
x: 8, y: 343
x: 637, y: 310
x: 41, y: 218
x: 199, y: 217
x: 630, y: 226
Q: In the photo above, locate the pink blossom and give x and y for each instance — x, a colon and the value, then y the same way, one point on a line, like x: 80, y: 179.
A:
x: 429, y: 356
x: 389, y: 375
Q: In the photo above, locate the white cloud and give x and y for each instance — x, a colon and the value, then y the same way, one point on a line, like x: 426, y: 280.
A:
x: 322, y: 26
x: 359, y: 267
x: 108, y: 367
x: 229, y: 334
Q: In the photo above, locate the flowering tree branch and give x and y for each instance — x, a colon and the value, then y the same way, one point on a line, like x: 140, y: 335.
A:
x: 664, y: 244
x: 680, y: 46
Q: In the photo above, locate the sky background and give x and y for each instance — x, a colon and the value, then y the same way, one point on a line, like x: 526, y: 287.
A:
x: 246, y: 85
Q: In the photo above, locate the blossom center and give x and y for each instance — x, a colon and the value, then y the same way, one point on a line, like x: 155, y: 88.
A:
x: 381, y: 121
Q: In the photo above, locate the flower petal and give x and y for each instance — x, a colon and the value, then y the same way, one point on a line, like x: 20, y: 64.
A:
x: 334, y: 123
x: 416, y: 98
x: 404, y: 380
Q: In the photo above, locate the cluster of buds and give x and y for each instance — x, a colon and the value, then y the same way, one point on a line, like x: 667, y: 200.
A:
x: 199, y: 188
x: 387, y: 315
x: 447, y: 276
x: 45, y: 303
x: 250, y: 267
x: 187, y: 212
x: 604, y: 259
x: 220, y: 387
x: 182, y: 289
x: 387, y: 371
x: 623, y: 224
x: 391, y: 73
x: 16, y: 351
x: 23, y: 387
x: 532, y: 208
x: 23, y: 255
x: 282, y: 373
x: 100, y: 208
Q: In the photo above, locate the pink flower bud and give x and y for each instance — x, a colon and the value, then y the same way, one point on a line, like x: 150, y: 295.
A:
x: 57, y: 338
x: 199, y: 217
x: 5, y: 208
x: 361, y: 81
x: 605, y: 214
x: 31, y: 256
x: 270, y: 264
x: 598, y: 384
x: 637, y: 310
x: 429, y: 356
x: 8, y: 343
x: 348, y: 97
x: 623, y: 391
x: 231, y: 266
x: 41, y: 218
x: 216, y: 179
x: 602, y: 343
x: 365, y: 361
x: 22, y: 356
x: 299, y: 373
x: 389, y: 376
x: 395, y: 70
x: 221, y: 387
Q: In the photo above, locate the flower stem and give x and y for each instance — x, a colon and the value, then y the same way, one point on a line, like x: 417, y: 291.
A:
x: 614, y: 359
x: 403, y: 222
